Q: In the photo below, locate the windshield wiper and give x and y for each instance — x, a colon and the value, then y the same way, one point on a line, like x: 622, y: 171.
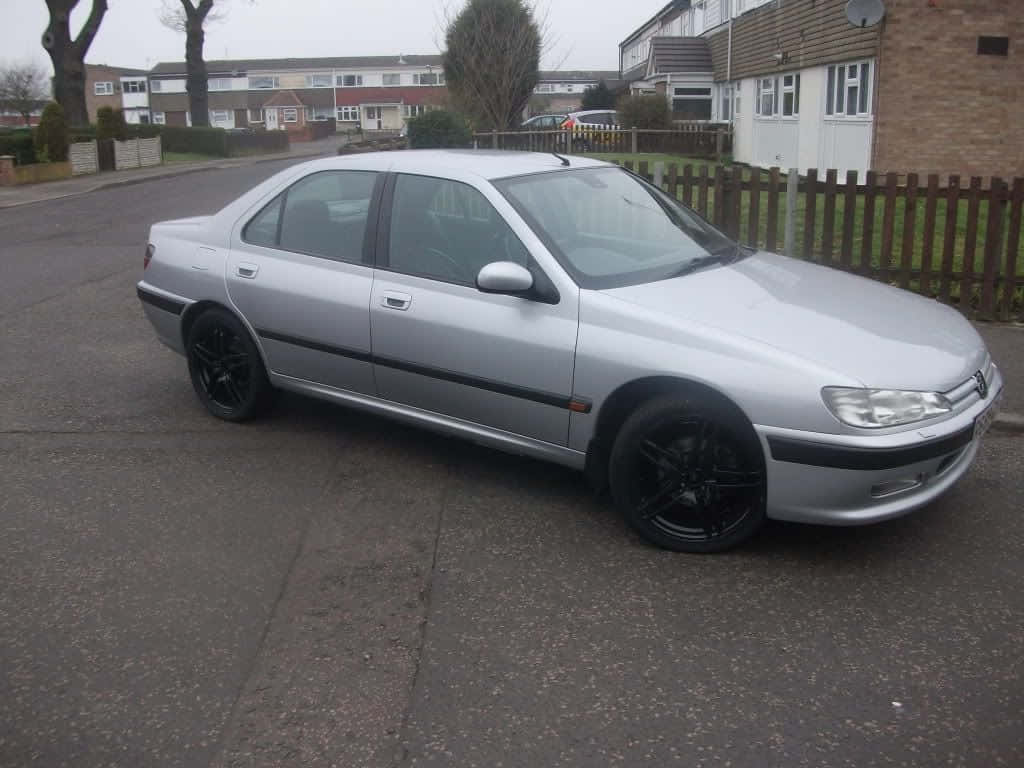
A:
x: 727, y: 254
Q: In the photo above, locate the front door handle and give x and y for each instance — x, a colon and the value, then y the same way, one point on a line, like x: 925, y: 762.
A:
x: 395, y: 300
x: 246, y: 270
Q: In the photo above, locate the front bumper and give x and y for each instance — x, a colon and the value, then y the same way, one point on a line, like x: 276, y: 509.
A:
x: 854, y: 479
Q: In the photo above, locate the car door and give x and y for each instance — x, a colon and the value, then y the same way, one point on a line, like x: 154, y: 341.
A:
x: 442, y: 345
x: 301, y: 272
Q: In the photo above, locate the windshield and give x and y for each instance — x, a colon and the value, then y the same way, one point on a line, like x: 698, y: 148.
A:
x: 608, y: 228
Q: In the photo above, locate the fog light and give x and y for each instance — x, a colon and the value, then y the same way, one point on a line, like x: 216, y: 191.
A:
x: 891, y: 487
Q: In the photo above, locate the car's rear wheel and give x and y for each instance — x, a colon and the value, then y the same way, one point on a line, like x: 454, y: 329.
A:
x: 689, y: 474
x: 226, y: 369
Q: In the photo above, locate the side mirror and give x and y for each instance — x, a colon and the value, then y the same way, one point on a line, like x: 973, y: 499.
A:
x: 504, y: 277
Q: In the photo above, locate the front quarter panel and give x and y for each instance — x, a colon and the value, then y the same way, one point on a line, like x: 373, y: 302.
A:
x: 621, y: 342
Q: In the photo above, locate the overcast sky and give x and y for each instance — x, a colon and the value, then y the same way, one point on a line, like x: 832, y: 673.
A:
x: 584, y: 34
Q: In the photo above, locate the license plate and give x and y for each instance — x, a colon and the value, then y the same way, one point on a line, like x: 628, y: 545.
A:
x: 986, y: 417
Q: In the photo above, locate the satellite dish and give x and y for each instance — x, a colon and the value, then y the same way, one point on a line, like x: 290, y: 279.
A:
x: 864, y: 13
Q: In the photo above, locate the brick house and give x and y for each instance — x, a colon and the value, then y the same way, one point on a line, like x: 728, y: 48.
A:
x: 561, y: 91
x: 934, y: 88
x: 369, y: 92
x: 116, y: 87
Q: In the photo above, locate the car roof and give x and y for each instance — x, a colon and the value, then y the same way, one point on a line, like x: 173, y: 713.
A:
x: 483, y: 163
x: 592, y: 111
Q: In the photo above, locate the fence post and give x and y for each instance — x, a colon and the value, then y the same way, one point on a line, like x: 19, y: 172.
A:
x: 659, y: 174
x: 494, y: 138
x: 719, y: 145
x: 632, y: 140
x: 792, y: 179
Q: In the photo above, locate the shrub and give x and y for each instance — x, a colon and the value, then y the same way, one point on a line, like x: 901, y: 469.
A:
x: 19, y: 144
x: 106, y: 127
x: 439, y: 128
x: 51, y: 136
x: 598, y: 96
x: 644, y: 111
x: 257, y: 142
x: 144, y: 130
x: 200, y: 140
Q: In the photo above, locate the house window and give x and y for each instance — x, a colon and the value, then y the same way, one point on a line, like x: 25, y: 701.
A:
x: 218, y: 84
x: 791, y: 95
x: 993, y: 46
x: 427, y: 78
x: 766, y: 105
x: 848, y: 90
x: 103, y: 89
x: 348, y: 114
x: 318, y: 113
x: 414, y: 110
x: 159, y: 118
x: 691, y: 103
x: 318, y: 81
x: 392, y: 78
x: 349, y: 81
x: 725, y: 103
x: 134, y: 86
x: 545, y: 88
x: 255, y: 115
x: 263, y: 82
x: 220, y: 116
x: 290, y: 115
x: 154, y: 85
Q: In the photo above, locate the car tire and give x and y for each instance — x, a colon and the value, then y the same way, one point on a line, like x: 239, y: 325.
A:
x: 688, y: 474
x: 225, y: 366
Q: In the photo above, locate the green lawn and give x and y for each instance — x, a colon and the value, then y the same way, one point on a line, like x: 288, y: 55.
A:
x: 653, y: 157
x: 185, y: 157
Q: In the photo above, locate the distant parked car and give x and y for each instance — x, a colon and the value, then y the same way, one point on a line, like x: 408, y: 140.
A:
x: 544, y: 122
x: 586, y: 128
x: 566, y: 309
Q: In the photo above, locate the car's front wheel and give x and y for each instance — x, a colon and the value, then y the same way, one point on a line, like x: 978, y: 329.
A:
x: 688, y: 474
x: 225, y: 366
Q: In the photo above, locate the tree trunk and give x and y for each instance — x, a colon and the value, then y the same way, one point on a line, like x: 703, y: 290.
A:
x: 68, y: 56
x: 195, y: 66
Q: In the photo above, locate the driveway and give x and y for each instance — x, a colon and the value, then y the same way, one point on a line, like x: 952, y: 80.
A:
x: 325, y: 588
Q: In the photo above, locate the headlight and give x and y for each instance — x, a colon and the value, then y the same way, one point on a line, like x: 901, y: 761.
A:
x: 876, y: 408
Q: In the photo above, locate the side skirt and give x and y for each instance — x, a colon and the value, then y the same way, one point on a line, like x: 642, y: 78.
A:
x: 477, y: 433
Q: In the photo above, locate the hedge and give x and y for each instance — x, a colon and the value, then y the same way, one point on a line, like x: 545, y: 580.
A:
x: 257, y: 141
x: 202, y: 141
x: 19, y: 144
x: 439, y: 128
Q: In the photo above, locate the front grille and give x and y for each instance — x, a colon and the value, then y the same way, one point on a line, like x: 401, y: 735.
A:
x: 966, y: 393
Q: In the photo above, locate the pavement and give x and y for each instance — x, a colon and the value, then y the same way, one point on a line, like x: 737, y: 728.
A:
x: 80, y: 185
x: 327, y: 588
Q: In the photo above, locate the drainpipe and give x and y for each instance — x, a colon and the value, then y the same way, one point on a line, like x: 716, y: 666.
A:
x: 728, y: 71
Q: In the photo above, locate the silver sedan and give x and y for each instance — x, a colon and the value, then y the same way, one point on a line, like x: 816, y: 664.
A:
x: 567, y: 310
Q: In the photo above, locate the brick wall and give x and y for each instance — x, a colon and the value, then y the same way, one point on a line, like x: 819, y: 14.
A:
x: 942, y: 108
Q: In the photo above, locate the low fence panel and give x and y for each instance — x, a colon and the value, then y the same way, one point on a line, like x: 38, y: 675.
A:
x: 83, y: 157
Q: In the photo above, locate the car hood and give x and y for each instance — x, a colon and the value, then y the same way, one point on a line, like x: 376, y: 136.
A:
x: 190, y: 221
x: 882, y: 336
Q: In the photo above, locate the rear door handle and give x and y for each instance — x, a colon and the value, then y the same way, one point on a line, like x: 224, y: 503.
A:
x: 246, y: 270
x: 395, y: 300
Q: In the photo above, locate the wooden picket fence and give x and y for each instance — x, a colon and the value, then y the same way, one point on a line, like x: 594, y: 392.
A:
x: 690, y: 139
x: 959, y: 243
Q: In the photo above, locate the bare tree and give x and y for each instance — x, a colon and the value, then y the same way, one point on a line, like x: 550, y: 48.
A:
x: 491, y: 60
x: 23, y: 88
x: 191, y: 17
x: 68, y: 55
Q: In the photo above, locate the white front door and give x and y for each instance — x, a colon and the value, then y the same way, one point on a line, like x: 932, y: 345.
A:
x: 271, y: 115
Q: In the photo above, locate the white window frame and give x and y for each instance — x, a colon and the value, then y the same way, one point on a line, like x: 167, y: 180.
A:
x: 417, y: 78
x: 725, y: 102
x: 791, y: 89
x: 258, y: 112
x: 273, y: 85
x: 348, y: 114
x: 709, y: 97
x: 103, y: 88
x: 319, y: 80
x: 357, y: 80
x: 766, y: 87
x: 396, y: 75
x: 159, y: 118
x: 154, y: 86
x: 225, y: 112
x: 133, y: 86
x: 293, y: 111
x: 218, y: 84
x: 838, y: 84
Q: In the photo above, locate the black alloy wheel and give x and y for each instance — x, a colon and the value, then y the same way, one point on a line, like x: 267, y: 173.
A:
x: 226, y: 369
x: 689, y: 476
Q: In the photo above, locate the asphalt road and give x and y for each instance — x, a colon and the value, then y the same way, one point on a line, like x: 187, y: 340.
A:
x: 325, y: 588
